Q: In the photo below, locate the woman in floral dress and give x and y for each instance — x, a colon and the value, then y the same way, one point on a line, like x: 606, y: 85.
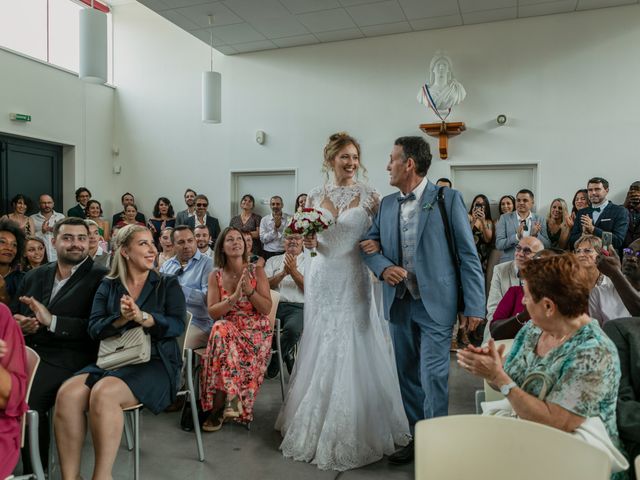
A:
x: 240, y: 341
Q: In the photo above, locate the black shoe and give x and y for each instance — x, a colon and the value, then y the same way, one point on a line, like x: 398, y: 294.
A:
x: 402, y: 456
x: 273, y: 369
x: 186, y: 419
x: 288, y: 361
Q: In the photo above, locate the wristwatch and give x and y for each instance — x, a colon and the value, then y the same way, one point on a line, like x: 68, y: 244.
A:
x: 505, y: 389
x: 145, y: 317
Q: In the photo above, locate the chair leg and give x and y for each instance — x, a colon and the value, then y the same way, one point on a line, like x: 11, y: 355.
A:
x: 136, y: 444
x: 51, y: 455
x: 479, y: 400
x: 279, y: 352
x: 127, y: 431
x: 34, y: 444
x: 192, y: 402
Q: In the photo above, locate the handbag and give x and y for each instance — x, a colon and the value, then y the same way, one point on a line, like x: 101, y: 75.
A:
x: 452, y: 247
x: 130, y: 347
x: 592, y: 430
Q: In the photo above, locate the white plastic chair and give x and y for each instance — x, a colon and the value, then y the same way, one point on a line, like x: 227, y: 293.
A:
x: 498, y: 448
x: 276, y: 326
x: 637, y: 465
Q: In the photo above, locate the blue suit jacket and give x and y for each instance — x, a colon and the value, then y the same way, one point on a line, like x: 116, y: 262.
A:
x: 614, y: 219
x: 434, y: 269
x: 506, y: 234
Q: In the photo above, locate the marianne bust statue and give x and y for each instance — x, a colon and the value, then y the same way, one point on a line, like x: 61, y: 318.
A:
x: 442, y: 91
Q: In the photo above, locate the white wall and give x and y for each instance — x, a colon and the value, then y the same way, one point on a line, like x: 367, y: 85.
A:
x: 66, y: 111
x: 568, y: 84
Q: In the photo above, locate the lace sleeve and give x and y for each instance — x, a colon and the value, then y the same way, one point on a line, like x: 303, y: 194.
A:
x: 370, y: 200
x: 314, y: 197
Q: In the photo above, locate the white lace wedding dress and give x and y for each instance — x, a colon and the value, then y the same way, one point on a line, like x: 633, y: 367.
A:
x: 343, y: 409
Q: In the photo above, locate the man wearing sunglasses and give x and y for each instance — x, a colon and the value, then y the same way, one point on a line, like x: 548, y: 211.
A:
x: 505, y: 275
x: 521, y: 223
x: 202, y: 217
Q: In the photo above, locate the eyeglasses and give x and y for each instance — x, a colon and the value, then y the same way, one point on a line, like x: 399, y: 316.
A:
x: 524, y: 250
x: 586, y: 251
x: 202, y: 204
x: 629, y: 252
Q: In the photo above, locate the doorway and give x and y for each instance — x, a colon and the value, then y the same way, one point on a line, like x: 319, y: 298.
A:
x: 31, y: 168
x: 263, y: 184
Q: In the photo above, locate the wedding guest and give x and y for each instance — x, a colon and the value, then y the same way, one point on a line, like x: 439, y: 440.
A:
x: 44, y: 222
x: 12, y: 241
x: 13, y: 390
x: 202, y: 217
x: 128, y: 199
x: 55, y: 303
x: 20, y: 206
x: 632, y: 204
x: 94, y: 213
x: 444, y: 182
x: 580, y: 201
x: 96, y: 251
x: 203, y: 240
x: 166, y: 246
x: 601, y: 216
x: 587, y: 248
x: 272, y: 229
x: 482, y: 227
x: 83, y: 195
x: 34, y: 254
x: 163, y: 217
x: 562, y: 341
x: 611, y: 267
x: 559, y: 224
x: 301, y: 201
x: 514, y: 226
x: 190, y: 211
x: 507, y: 204
x: 129, y: 215
x: 286, y: 276
x: 248, y: 221
x: 257, y: 260
x: 240, y: 341
x: 132, y: 295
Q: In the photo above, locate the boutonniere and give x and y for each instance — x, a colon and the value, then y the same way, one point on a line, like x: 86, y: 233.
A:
x: 427, y: 206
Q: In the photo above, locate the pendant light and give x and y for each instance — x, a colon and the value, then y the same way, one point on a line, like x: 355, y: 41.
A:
x: 211, y: 89
x: 93, y: 45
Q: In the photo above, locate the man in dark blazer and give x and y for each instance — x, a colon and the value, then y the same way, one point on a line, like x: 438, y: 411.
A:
x: 53, y: 311
x: 83, y: 195
x: 202, y: 218
x: 601, y: 216
x: 625, y: 333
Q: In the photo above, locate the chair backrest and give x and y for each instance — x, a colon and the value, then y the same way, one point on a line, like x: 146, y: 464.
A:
x: 275, y: 300
x: 637, y: 462
x: 490, y: 394
x: 498, y: 448
x: 185, y: 342
x: 33, y: 360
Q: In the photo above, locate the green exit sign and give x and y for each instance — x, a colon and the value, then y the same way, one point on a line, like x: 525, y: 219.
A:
x: 20, y: 117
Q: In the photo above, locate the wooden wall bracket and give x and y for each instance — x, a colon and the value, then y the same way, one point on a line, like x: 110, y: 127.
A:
x: 443, y: 131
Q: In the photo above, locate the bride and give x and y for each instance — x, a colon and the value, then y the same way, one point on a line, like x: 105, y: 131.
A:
x: 343, y: 409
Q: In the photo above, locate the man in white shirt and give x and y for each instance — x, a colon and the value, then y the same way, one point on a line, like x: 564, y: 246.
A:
x: 203, y: 240
x: 272, y: 229
x: 286, y: 275
x: 514, y: 226
x: 505, y: 275
x: 44, y: 221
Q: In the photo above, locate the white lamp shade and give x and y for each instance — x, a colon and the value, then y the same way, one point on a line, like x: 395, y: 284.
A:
x: 93, y: 46
x: 211, y: 97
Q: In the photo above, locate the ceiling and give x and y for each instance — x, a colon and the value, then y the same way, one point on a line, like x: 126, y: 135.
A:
x: 241, y: 26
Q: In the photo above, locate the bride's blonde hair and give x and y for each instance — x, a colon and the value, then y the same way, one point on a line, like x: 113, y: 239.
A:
x: 337, y: 142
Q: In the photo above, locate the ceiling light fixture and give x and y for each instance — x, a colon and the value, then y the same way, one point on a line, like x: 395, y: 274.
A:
x: 93, y: 45
x: 211, y: 89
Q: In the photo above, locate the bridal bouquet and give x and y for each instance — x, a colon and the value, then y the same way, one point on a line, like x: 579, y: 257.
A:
x: 306, y: 222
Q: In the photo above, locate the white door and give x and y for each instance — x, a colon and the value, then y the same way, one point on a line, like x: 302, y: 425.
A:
x: 263, y: 185
x: 494, y: 181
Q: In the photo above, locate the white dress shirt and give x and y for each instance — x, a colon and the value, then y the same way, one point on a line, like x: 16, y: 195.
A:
x: 408, y: 207
x: 289, y: 290
x: 38, y: 220
x: 272, y: 238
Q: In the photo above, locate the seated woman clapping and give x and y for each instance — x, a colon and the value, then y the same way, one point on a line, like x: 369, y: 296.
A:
x: 132, y: 295
x: 561, y: 351
x: 240, y: 341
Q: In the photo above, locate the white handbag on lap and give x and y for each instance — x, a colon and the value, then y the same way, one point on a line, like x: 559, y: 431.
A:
x: 131, y: 347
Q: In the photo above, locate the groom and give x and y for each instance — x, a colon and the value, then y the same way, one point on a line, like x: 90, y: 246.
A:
x: 407, y: 248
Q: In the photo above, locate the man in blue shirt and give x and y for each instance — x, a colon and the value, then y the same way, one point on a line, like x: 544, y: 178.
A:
x: 192, y: 269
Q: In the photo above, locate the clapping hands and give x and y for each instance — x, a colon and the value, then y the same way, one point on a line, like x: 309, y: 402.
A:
x: 129, y: 310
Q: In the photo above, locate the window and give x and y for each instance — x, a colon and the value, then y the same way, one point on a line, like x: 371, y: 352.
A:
x: 47, y: 30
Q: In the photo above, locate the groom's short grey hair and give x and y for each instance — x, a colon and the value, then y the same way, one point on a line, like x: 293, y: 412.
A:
x: 418, y: 149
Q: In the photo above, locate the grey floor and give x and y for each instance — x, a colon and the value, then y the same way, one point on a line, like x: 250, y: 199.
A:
x: 235, y: 453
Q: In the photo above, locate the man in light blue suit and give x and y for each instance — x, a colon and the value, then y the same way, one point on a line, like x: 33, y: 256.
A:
x: 407, y: 248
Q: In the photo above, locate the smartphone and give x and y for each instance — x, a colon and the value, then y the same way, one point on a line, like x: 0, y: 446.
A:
x: 607, y: 239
